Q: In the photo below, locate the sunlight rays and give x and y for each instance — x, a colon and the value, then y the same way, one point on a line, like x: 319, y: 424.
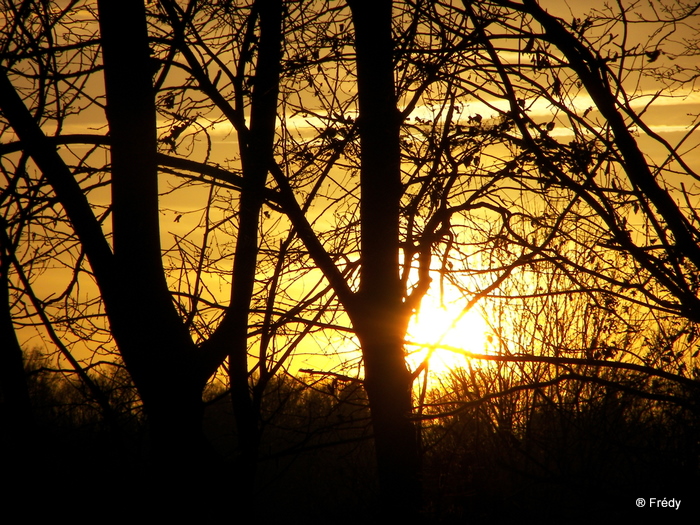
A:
x: 440, y: 331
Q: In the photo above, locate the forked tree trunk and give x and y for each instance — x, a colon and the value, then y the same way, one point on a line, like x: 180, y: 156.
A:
x: 156, y: 345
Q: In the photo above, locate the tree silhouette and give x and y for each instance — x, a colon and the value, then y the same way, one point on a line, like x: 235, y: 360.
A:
x: 342, y: 161
x: 626, y: 220
x: 168, y: 368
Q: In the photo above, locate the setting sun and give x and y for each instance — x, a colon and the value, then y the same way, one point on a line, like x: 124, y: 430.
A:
x: 442, y: 331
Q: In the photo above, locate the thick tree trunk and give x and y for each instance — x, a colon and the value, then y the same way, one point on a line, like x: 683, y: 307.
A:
x: 381, y: 317
x: 154, y: 342
x: 388, y: 385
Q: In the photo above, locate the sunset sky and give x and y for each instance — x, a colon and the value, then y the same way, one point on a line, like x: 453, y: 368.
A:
x: 671, y: 113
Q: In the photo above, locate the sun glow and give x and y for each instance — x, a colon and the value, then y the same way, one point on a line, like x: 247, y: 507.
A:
x: 441, y: 333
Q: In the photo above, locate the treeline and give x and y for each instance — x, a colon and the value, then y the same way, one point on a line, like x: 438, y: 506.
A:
x: 494, y: 448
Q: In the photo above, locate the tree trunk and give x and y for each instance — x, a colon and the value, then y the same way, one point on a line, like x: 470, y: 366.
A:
x: 256, y: 150
x: 16, y: 439
x: 388, y: 385
x: 153, y: 340
x: 381, y: 318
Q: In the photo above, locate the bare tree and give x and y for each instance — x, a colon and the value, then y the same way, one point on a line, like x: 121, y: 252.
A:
x: 143, y: 319
x: 631, y: 214
x: 367, y: 151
